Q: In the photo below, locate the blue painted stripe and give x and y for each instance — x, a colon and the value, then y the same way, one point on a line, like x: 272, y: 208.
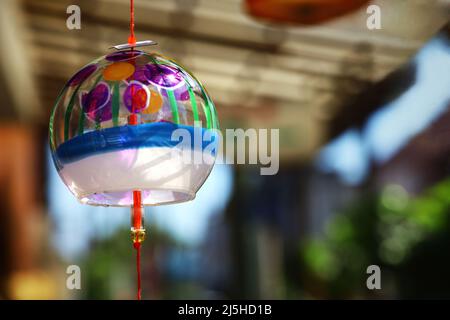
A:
x: 157, y: 134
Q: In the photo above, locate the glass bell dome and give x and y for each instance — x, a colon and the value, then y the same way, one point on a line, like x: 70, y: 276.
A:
x: 122, y: 123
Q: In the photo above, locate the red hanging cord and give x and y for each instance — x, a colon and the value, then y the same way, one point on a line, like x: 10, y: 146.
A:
x: 138, y: 228
x: 137, y: 222
x: 137, y: 201
x: 137, y: 225
x: 137, y: 208
x: 137, y: 246
x: 132, y: 38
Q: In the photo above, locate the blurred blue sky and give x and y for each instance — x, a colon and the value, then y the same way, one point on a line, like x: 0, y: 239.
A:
x: 391, y: 127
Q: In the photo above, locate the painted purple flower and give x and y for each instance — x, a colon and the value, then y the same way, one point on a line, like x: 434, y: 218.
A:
x: 136, y: 97
x: 97, y: 103
x: 141, y: 74
x: 82, y: 75
x: 164, y: 76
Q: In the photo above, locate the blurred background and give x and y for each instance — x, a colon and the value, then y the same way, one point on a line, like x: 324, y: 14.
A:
x: 364, y: 173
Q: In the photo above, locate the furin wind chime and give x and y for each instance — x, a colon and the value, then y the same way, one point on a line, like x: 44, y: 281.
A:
x: 111, y: 133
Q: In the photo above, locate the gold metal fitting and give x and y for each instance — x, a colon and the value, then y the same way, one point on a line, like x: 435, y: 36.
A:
x: 138, y: 235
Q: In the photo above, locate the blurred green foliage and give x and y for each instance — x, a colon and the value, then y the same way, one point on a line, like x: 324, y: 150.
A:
x: 382, y: 229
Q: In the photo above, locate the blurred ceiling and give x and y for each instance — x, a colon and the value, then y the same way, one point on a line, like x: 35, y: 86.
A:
x: 258, y: 75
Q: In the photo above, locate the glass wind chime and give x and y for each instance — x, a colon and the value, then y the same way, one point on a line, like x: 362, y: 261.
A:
x: 111, y: 133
